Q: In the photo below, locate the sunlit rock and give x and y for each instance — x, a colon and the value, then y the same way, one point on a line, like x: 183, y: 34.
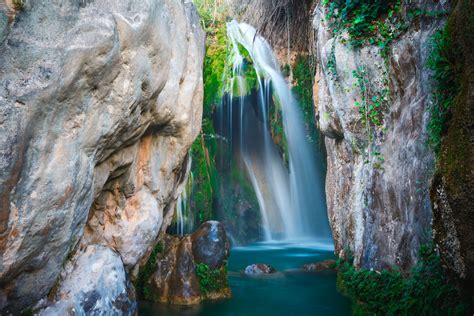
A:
x: 99, y: 104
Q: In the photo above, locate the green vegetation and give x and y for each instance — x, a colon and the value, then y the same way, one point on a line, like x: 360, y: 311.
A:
x: 211, y: 280
x: 215, y: 64
x: 366, y: 21
x: 373, y: 102
x: 303, y: 76
x: 19, y: 4
x: 204, y: 148
x: 276, y: 127
x: 446, y: 87
x: 331, y: 64
x: 143, y: 291
x: 425, y: 291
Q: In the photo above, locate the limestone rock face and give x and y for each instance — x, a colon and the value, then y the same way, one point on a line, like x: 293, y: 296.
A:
x: 176, y: 280
x: 94, y: 282
x: 378, y: 194
x: 99, y: 104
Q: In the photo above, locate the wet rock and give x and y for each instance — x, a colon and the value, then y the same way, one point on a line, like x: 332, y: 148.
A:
x: 320, y: 266
x: 210, y: 244
x: 95, y: 282
x: 259, y: 269
x: 176, y: 280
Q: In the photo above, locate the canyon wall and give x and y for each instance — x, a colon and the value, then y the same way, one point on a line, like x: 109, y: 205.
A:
x: 379, y: 168
x: 453, y: 184
x: 99, y: 104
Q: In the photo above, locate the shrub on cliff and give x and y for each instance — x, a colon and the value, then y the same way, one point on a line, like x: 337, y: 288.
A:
x: 424, y: 292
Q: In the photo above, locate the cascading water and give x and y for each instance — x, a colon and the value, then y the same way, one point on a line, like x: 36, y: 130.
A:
x: 180, y: 208
x: 184, y: 220
x: 290, y: 197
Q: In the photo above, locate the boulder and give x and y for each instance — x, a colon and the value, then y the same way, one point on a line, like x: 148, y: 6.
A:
x: 191, y: 268
x: 210, y: 244
x: 259, y: 269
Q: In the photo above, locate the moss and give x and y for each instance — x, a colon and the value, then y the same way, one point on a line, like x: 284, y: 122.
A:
x: 18, y: 4
x: 28, y: 312
x: 211, y: 280
x: 446, y: 87
x: 303, y: 75
x: 454, y: 138
x: 216, y: 69
x: 205, y: 173
x: 424, y: 292
x: 141, y: 286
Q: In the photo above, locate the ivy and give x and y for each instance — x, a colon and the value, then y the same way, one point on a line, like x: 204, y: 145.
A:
x: 331, y: 64
x: 372, y: 102
x: 359, y: 18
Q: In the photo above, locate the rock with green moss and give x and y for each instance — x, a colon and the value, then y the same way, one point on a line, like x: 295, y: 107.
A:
x: 189, y: 269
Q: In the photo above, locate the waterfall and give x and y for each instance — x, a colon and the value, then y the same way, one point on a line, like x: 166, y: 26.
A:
x: 184, y: 218
x: 180, y: 208
x: 291, y: 197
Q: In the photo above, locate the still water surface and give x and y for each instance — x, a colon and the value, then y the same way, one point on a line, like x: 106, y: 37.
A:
x: 290, y: 292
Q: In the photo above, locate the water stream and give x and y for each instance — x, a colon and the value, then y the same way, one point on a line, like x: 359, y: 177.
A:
x: 290, y: 195
x: 289, y: 188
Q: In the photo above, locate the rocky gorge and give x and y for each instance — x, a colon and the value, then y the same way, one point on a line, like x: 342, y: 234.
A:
x: 112, y: 119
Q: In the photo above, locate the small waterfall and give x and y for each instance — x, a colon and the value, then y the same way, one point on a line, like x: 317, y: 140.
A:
x: 180, y: 208
x: 184, y: 218
x: 291, y: 197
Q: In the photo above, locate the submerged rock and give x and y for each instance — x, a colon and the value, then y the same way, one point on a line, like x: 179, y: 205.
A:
x: 320, y: 266
x: 259, y: 269
x: 192, y: 268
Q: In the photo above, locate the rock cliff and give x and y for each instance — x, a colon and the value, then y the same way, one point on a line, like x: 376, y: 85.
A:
x: 373, y: 108
x: 453, y: 184
x: 99, y: 104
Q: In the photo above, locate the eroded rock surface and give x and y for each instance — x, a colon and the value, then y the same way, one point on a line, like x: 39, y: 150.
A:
x: 378, y: 194
x: 95, y: 283
x: 99, y: 104
x: 176, y: 279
